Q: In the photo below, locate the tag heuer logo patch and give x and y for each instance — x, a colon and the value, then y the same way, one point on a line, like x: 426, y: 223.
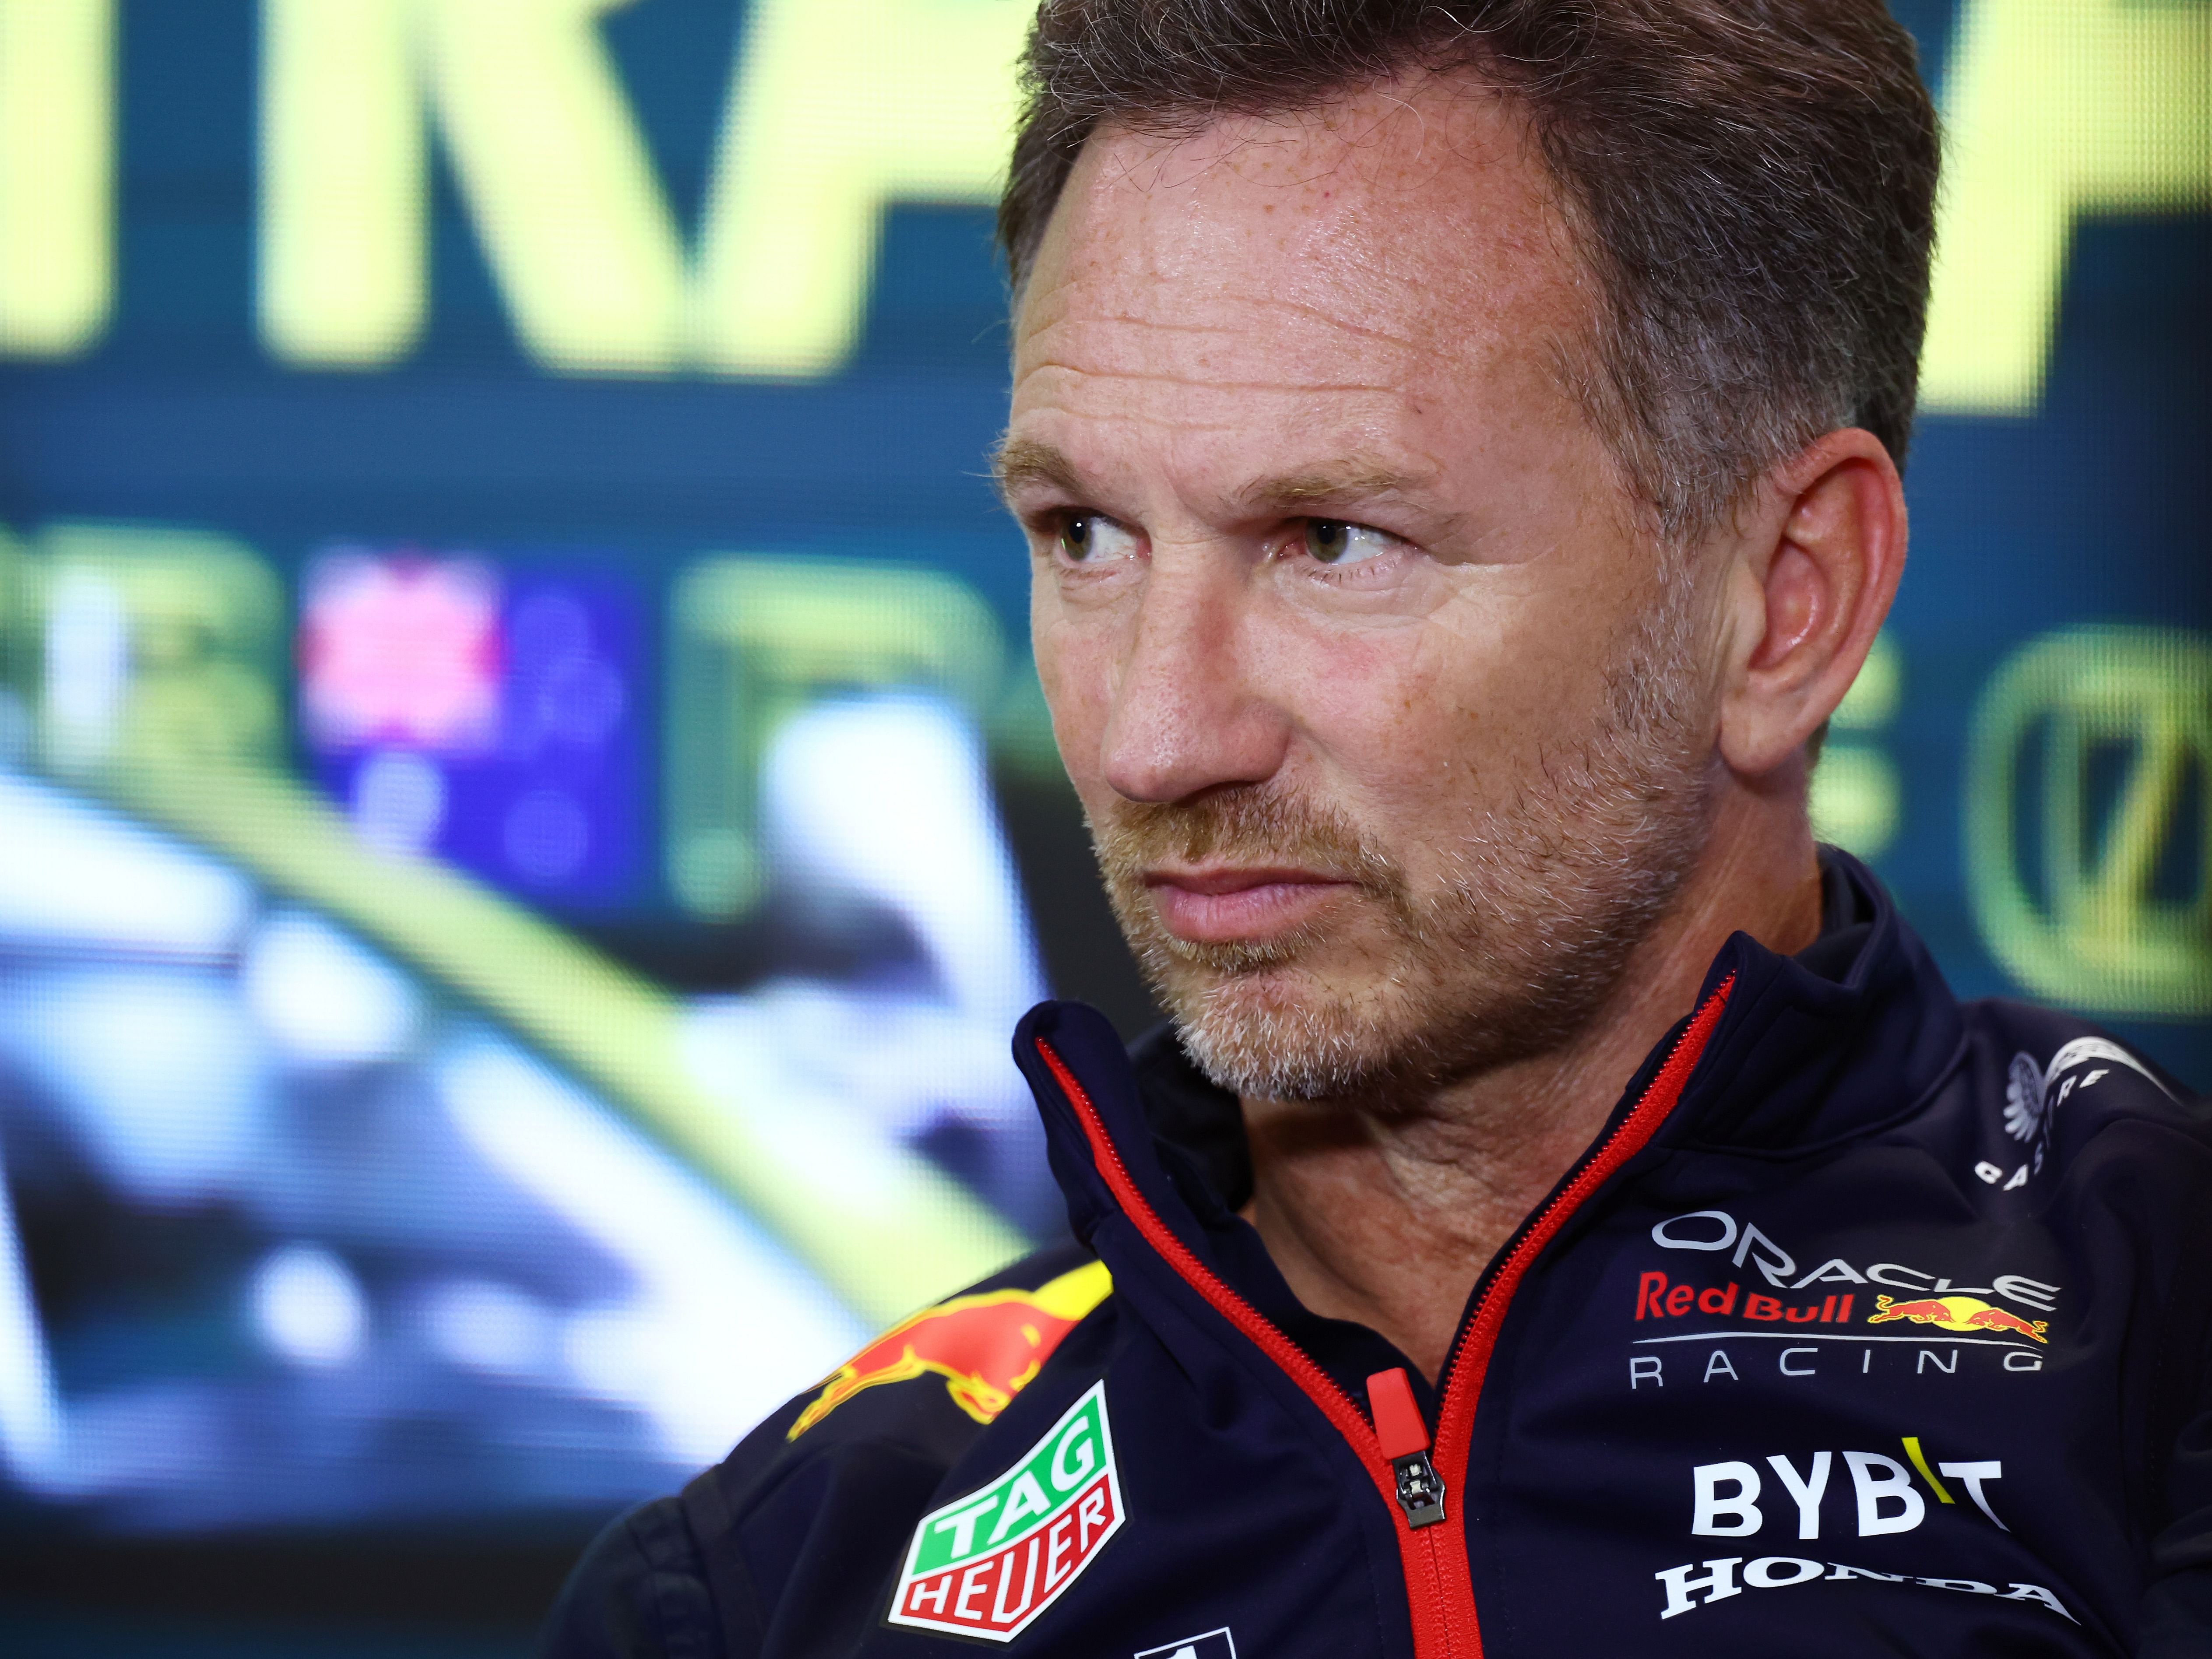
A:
x: 989, y: 1564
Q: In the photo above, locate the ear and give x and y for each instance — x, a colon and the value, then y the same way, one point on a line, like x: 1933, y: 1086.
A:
x: 1814, y: 571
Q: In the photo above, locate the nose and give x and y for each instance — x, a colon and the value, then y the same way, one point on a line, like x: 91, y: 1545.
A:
x: 1187, y: 717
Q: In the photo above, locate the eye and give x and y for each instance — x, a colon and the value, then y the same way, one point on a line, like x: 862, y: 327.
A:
x: 1333, y: 541
x: 1093, y: 538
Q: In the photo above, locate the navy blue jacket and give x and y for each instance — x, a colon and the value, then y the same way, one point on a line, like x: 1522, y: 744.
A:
x: 1872, y: 1323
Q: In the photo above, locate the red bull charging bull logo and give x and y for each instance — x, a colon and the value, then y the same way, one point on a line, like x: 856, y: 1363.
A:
x: 987, y: 1346
x: 1957, y: 1313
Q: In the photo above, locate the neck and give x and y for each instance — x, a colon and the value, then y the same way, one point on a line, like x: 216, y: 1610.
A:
x: 1389, y: 1216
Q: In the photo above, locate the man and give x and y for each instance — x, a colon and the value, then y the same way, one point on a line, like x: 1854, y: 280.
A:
x: 1458, y: 446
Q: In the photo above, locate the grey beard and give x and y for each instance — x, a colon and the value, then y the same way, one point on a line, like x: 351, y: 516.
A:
x: 1518, y: 952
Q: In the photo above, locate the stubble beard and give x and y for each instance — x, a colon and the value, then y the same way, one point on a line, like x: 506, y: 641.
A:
x: 1520, y: 947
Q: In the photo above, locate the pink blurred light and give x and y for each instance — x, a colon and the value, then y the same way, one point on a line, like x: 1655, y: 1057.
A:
x: 401, y: 650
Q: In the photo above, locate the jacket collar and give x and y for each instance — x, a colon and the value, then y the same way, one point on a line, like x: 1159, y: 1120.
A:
x: 1852, y: 1033
x: 1068, y: 1050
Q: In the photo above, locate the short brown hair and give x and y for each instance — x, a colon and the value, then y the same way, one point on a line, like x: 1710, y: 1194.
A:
x: 1752, y: 183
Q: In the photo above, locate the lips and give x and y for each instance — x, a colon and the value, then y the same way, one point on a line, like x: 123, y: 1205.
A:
x: 1226, y: 906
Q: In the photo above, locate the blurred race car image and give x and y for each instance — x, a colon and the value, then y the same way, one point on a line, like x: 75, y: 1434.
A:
x: 341, y: 1191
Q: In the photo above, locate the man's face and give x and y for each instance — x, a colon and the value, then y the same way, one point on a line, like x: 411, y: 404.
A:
x: 1388, y: 717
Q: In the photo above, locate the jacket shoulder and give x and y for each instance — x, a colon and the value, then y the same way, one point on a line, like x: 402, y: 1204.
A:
x: 824, y: 1492
x: 2055, y: 1074
x: 823, y: 1495
x: 638, y: 1591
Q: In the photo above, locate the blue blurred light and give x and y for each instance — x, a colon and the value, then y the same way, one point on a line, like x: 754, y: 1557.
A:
x: 75, y: 876
x: 309, y: 1308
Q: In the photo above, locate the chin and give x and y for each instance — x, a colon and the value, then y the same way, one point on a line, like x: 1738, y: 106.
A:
x: 1371, y: 1014
x: 1283, y: 1032
x: 1392, y: 1032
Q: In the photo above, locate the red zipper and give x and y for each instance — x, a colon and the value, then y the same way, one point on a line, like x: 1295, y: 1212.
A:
x: 1439, y: 1589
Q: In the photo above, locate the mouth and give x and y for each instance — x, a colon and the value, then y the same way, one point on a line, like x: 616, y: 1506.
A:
x: 1221, y: 905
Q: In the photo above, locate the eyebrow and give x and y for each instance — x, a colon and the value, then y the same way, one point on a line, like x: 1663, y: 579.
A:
x: 1025, y: 463
x: 1022, y: 462
x: 1343, y: 482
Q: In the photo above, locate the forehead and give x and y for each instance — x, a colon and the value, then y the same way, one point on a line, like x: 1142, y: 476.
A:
x: 1400, y: 245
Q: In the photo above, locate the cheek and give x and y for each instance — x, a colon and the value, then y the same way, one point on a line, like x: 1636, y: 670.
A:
x: 1075, y: 668
x: 1427, y: 722
x: 1380, y: 707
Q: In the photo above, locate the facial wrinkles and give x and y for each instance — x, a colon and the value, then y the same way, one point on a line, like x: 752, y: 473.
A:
x: 1514, y: 949
x: 1331, y: 321
x: 1144, y: 301
x: 1111, y: 393
x: 1507, y: 837
x: 1225, y: 377
x: 1177, y: 436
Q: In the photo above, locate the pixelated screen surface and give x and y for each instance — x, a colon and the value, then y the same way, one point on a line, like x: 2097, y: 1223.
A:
x: 525, y: 818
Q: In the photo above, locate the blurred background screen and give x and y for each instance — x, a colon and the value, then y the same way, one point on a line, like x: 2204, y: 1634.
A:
x: 525, y: 816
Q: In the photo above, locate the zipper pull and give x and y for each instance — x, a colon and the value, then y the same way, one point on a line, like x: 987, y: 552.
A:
x: 1405, y: 1442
